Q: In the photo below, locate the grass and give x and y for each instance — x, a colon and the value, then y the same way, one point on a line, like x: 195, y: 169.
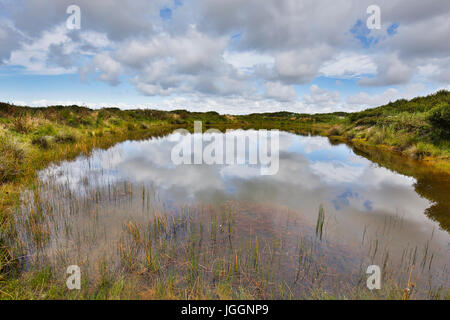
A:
x: 214, y: 252
x: 418, y: 128
x: 31, y: 139
x: 12, y: 158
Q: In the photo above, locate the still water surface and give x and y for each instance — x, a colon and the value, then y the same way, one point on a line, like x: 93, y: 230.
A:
x: 363, y: 202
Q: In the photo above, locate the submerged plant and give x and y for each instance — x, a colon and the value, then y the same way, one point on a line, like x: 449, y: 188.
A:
x: 320, y: 222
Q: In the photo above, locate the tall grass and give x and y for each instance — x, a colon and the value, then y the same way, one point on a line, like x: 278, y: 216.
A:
x: 229, y: 251
x: 12, y: 155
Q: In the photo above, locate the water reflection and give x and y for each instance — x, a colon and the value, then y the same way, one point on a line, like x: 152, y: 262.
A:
x: 311, y: 171
x: 368, y: 207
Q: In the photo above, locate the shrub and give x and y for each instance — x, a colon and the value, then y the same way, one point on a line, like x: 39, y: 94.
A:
x: 440, y: 117
x: 23, y: 124
x: 349, y: 135
x: 415, y: 153
x: 421, y: 150
x: 335, y: 131
x: 376, y: 137
x: 403, y: 141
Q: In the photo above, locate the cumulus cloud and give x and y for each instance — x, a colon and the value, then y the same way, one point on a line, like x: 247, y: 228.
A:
x: 348, y: 65
x: 246, y: 61
x: 276, y: 90
x: 297, y: 67
x: 120, y: 19
x: 9, y: 41
x: 254, y: 53
x: 322, y: 100
x: 390, y: 71
x: 46, y: 54
x: 110, y: 69
x: 363, y: 99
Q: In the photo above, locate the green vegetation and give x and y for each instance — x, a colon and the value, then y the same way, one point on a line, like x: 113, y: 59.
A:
x: 32, y: 138
x: 419, y: 128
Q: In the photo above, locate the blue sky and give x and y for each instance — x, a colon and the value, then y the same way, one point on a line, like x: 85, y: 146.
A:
x: 231, y: 57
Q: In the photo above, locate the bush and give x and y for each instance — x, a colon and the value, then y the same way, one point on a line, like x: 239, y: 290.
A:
x: 349, y: 135
x: 415, y: 153
x: 376, y: 137
x: 403, y: 141
x: 335, y: 131
x: 22, y: 125
x: 440, y: 117
x: 25, y: 124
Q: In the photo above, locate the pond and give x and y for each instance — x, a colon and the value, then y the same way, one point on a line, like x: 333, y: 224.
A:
x: 115, y: 204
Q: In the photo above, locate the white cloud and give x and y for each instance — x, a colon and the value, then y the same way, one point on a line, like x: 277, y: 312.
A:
x: 246, y: 60
x: 234, y: 55
x: 391, y: 71
x: 153, y: 90
x: 110, y: 69
x: 363, y: 99
x: 300, y: 66
x: 348, y: 65
x: 33, y: 54
x: 278, y: 91
x: 322, y: 100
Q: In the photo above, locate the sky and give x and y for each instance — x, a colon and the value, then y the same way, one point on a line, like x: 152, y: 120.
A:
x: 230, y: 56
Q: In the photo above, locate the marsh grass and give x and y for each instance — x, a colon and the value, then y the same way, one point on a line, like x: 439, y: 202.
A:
x: 33, y: 138
x: 12, y: 156
x: 229, y: 251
